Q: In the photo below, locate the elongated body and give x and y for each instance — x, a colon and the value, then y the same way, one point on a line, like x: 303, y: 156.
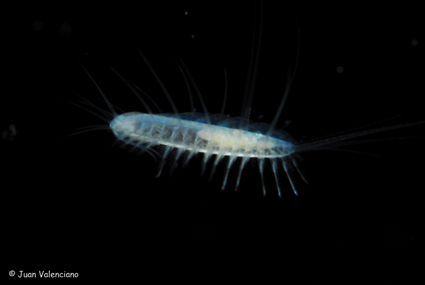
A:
x: 216, y: 140
x: 199, y: 136
x: 196, y: 136
x: 217, y: 137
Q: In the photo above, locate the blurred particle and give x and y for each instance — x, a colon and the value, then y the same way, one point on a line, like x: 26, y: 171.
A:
x: 339, y: 69
x: 286, y: 123
x: 186, y: 13
x: 414, y: 42
x: 192, y: 36
x: 65, y: 29
x: 37, y: 25
x: 10, y: 133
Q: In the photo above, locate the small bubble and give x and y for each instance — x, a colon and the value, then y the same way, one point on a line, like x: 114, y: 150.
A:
x: 339, y: 69
x: 414, y: 42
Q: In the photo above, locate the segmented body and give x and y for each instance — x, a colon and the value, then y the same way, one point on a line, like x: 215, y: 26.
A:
x: 218, y: 140
x: 199, y: 137
x: 214, y: 141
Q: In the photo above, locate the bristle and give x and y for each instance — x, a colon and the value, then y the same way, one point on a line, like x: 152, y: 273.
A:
x: 244, y: 160
x: 261, y: 168
x: 162, y: 163
x: 276, y: 176
x: 229, y: 166
x: 288, y: 174
x: 217, y: 160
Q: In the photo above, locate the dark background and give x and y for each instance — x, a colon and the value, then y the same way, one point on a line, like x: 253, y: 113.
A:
x: 83, y: 203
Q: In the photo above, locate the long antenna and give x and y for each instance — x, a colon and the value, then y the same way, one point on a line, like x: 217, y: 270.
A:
x: 197, y: 91
x: 127, y: 83
x: 108, y: 103
x: 290, y: 79
x: 253, y: 66
x: 225, y: 92
x: 189, y: 89
x: 164, y: 89
x: 334, y: 141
